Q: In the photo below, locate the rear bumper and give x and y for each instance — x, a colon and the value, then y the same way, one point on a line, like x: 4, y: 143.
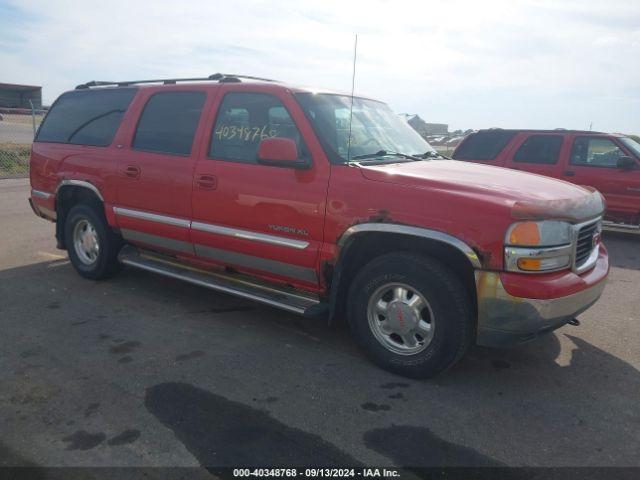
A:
x: 506, y: 320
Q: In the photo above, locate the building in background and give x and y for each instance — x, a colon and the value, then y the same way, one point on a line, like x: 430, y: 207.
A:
x: 423, y: 128
x: 20, y: 96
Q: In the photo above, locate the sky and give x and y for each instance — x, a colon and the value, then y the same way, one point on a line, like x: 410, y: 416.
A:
x: 471, y: 64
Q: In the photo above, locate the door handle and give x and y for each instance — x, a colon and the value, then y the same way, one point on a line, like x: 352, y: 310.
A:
x: 569, y: 173
x: 207, y: 182
x: 132, y: 171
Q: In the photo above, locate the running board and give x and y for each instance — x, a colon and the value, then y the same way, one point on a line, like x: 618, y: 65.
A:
x: 620, y: 227
x: 234, y: 284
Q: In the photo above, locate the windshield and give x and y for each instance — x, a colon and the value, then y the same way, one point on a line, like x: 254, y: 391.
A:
x: 375, y: 129
x: 632, y: 145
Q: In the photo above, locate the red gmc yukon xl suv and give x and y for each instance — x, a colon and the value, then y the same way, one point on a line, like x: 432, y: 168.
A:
x: 610, y: 163
x: 271, y: 193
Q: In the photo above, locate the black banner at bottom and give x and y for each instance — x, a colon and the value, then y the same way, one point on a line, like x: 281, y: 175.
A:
x: 443, y: 473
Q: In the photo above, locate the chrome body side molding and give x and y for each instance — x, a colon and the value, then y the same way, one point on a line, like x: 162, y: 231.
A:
x: 152, y: 217
x: 211, y: 228
x: 40, y: 194
x: 80, y: 183
x: 247, y: 235
x: 415, y: 232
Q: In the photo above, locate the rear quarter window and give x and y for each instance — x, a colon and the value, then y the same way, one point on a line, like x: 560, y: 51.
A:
x: 483, y: 145
x: 86, y: 117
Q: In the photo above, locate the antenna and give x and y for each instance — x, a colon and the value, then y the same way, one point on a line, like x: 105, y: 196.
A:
x: 590, y: 125
x: 353, y: 83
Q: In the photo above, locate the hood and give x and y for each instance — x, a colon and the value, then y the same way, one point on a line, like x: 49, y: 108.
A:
x: 530, y: 196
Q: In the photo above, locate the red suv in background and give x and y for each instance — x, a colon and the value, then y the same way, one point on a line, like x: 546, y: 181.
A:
x: 610, y: 163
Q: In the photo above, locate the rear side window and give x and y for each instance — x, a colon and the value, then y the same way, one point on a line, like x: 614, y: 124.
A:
x: 86, y: 117
x: 168, y: 123
x: 483, y: 145
x: 541, y: 149
x: 245, y: 119
x: 595, y: 152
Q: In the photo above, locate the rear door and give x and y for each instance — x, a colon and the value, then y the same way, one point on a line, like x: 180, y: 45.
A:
x: 155, y: 166
x: 538, y: 153
x: 262, y: 219
x: 593, y: 162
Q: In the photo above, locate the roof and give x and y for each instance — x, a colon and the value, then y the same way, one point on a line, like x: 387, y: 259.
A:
x: 211, y: 81
x: 533, y: 130
x: 15, y: 86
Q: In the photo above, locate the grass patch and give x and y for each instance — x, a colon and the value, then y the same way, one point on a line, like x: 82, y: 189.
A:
x: 10, y: 118
x: 14, y: 159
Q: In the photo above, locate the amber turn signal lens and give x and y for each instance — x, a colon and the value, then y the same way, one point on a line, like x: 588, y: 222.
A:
x: 529, y: 264
x: 525, y: 233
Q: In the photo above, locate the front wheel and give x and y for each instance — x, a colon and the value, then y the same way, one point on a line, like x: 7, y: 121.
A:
x: 92, y: 245
x: 411, y: 314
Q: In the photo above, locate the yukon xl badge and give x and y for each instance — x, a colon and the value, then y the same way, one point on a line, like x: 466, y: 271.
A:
x: 291, y: 230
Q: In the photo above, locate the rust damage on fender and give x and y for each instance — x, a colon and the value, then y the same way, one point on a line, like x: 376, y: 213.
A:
x: 327, y: 268
x: 381, y: 216
x: 484, y: 256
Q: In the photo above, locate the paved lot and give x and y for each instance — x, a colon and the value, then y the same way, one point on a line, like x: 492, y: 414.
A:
x: 143, y: 370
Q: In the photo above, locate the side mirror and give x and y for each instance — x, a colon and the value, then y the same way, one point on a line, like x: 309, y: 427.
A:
x: 626, y: 163
x: 280, y: 152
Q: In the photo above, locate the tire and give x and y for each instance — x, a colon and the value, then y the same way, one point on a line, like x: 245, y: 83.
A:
x: 99, y: 263
x: 434, y: 312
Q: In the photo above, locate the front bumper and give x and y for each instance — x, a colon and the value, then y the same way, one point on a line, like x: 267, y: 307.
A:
x: 506, y: 320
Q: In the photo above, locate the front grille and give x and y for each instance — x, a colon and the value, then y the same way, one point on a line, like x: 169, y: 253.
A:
x: 585, y: 245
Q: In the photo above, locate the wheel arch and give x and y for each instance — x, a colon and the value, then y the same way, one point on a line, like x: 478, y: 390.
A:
x: 68, y: 194
x: 363, y: 242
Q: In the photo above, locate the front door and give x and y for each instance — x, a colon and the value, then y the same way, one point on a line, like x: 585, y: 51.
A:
x: 593, y: 162
x: 155, y: 171
x: 261, y: 219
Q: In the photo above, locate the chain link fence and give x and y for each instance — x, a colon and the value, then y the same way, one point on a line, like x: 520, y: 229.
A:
x: 17, y: 129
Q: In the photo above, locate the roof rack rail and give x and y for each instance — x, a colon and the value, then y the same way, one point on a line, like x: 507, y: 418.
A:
x: 220, y: 77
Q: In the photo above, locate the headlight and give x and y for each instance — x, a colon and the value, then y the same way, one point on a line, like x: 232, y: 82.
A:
x: 544, y: 246
x: 547, y: 233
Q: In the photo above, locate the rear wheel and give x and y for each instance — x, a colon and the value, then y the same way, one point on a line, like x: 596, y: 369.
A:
x: 411, y: 314
x: 91, y: 244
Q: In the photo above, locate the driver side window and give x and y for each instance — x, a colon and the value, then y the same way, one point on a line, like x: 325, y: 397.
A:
x: 595, y: 152
x: 244, y: 120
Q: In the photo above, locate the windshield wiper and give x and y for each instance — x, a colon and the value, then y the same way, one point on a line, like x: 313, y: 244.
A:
x: 386, y: 153
x: 434, y: 154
